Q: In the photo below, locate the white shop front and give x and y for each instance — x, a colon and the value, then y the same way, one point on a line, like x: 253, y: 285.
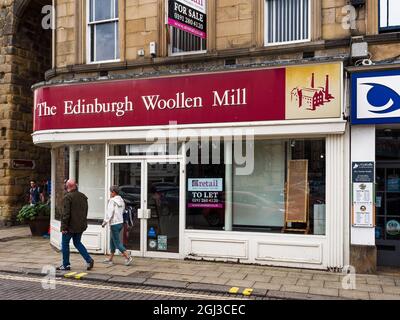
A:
x: 248, y: 166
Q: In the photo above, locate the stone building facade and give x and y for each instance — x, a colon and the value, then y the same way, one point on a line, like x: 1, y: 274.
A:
x: 25, y: 56
x: 236, y: 39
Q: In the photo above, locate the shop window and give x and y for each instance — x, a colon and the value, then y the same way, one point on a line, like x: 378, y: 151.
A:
x: 205, y: 207
x: 389, y: 18
x: 287, y: 21
x: 90, y: 173
x: 260, y: 199
x: 103, y: 35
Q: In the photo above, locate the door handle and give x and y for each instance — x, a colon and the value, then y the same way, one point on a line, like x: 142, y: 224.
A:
x: 147, y: 213
x: 144, y: 213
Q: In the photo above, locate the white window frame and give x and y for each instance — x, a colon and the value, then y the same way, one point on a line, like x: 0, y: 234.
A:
x: 185, y: 53
x: 266, y: 44
x: 388, y: 27
x: 89, y: 24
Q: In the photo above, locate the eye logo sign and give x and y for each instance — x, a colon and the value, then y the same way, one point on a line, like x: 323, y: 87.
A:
x: 381, y: 96
x: 376, y: 97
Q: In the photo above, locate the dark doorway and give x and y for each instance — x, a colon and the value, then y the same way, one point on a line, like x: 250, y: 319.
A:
x: 387, y: 232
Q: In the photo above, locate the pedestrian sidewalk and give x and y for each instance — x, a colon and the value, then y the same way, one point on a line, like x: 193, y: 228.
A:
x: 25, y: 254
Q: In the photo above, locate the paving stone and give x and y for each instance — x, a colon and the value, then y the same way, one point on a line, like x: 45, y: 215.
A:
x: 274, y: 273
x: 208, y: 273
x: 383, y: 296
x: 12, y: 269
x: 298, y: 289
x: 259, y: 292
x: 333, y: 285
x: 241, y: 283
x: 261, y: 278
x: 326, y: 277
x: 267, y: 286
x: 166, y: 283
x: 300, y: 275
x: 235, y: 276
x: 369, y: 288
x: 324, y: 292
x: 280, y: 280
x: 212, y: 280
x: 299, y: 296
x: 383, y: 282
x: 127, y: 280
x: 310, y: 283
x: 354, y: 294
x: 391, y: 289
x: 209, y: 287
x: 96, y: 277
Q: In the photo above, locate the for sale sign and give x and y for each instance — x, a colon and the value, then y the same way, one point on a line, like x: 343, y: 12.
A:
x: 205, y: 193
x: 189, y: 16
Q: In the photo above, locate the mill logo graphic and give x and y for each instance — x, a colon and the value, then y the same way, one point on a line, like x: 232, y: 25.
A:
x: 312, y: 97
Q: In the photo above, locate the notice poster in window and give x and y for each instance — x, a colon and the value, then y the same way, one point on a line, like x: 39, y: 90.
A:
x: 189, y: 16
x: 162, y: 243
x: 205, y: 193
x: 393, y: 183
x: 297, y: 192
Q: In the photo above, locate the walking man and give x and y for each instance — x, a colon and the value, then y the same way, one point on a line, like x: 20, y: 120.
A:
x: 73, y: 224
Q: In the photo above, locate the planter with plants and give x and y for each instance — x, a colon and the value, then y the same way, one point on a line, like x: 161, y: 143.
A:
x: 37, y: 216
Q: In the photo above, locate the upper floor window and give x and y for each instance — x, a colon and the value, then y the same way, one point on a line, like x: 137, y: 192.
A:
x: 287, y: 21
x: 103, y: 37
x: 187, y: 26
x: 389, y: 15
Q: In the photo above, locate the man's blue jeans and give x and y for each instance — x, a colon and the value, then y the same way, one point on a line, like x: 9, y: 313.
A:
x: 76, y: 238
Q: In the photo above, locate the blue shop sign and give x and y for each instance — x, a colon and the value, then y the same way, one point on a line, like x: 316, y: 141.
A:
x: 375, y: 97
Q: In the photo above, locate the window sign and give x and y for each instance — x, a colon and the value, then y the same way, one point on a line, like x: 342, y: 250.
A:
x: 162, y: 243
x: 375, y: 97
x: 393, y: 228
x: 205, y: 193
x: 189, y: 16
x: 393, y: 183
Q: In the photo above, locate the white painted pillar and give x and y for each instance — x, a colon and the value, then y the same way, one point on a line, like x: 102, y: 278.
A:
x: 228, y: 185
x: 363, y: 150
x: 72, y: 163
x: 53, y: 184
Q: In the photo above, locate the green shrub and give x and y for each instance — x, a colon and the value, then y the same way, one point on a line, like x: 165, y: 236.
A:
x: 31, y: 212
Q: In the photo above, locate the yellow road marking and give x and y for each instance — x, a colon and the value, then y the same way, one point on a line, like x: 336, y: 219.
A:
x: 119, y: 289
x: 247, y: 292
x: 234, y: 290
x: 70, y: 274
x: 80, y: 275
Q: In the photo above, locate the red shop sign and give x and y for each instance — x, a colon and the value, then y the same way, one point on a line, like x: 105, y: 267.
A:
x: 243, y: 96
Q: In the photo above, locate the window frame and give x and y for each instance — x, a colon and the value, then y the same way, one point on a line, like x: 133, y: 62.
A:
x: 389, y: 28
x: 265, y: 28
x: 89, y: 25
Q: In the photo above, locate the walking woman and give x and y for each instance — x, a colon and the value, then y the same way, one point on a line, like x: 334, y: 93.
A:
x: 114, y: 217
